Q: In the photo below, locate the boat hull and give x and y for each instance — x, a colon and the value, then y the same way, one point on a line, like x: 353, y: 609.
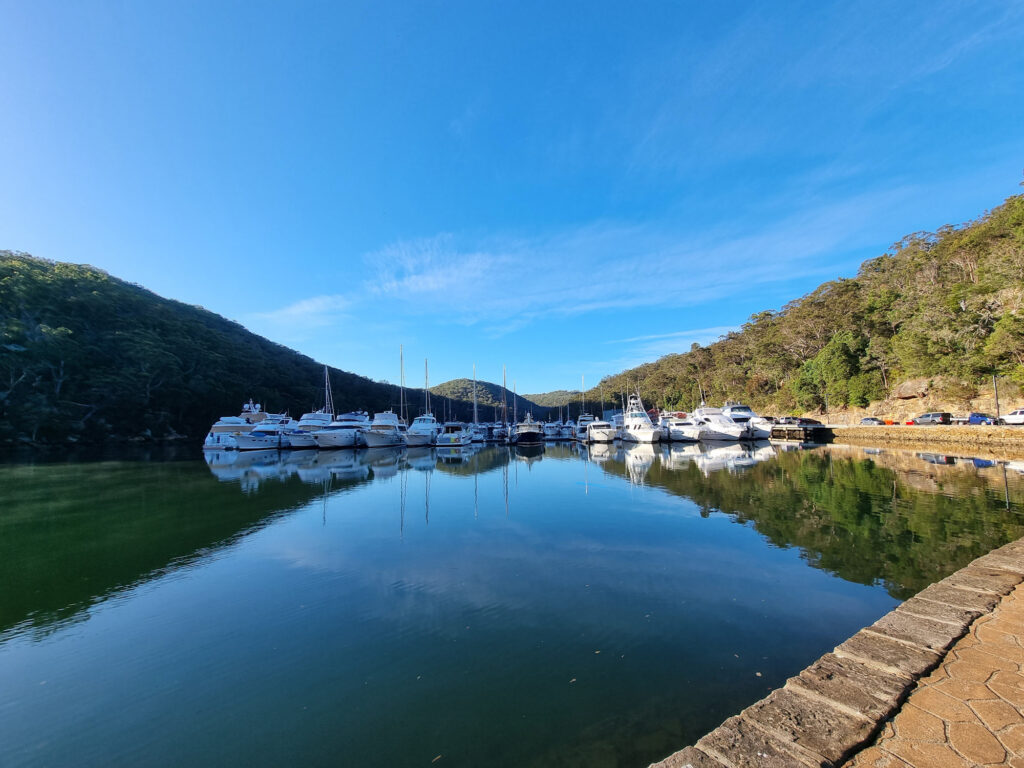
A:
x: 419, y: 438
x: 261, y: 442
x: 341, y: 438
x: 529, y: 437
x: 383, y: 439
x: 602, y: 435
x: 641, y: 435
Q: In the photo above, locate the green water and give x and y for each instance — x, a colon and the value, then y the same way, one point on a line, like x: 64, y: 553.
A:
x: 568, y: 608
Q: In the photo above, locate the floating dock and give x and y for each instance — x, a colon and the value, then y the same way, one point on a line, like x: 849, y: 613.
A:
x: 810, y: 433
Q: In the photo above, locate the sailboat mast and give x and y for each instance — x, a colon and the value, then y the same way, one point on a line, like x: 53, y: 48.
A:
x: 515, y: 405
x: 426, y: 386
x: 583, y: 393
x: 504, y: 396
x: 401, y: 382
x: 475, y: 420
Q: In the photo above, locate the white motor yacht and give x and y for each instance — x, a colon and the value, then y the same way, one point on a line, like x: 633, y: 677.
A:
x: 637, y: 426
x: 758, y: 427
x: 222, y: 433
x: 385, y: 431
x: 553, y: 430
x: 715, y: 425
x: 423, y: 430
x: 272, y: 432
x: 680, y: 429
x: 582, y: 425
x: 600, y: 432
x: 454, y: 434
x: 346, y: 431
x: 569, y: 429
x: 300, y: 438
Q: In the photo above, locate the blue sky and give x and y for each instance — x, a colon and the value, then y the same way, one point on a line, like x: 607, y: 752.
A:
x: 564, y: 190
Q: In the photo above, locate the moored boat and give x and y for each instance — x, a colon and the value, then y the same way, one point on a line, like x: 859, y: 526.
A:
x: 346, y: 431
x: 385, y: 431
x: 637, y: 426
x: 529, y: 432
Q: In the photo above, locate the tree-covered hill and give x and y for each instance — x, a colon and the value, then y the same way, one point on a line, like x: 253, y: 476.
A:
x: 87, y: 356
x: 947, y: 305
x: 488, y: 396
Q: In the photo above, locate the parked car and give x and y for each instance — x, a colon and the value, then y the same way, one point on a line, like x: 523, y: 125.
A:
x: 872, y: 421
x: 932, y: 418
x: 982, y: 418
x: 1014, y: 417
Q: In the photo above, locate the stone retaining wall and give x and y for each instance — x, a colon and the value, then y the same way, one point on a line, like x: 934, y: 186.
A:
x: 1007, y: 441
x: 821, y: 717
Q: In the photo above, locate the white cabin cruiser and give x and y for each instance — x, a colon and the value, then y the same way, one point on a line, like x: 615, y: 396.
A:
x: 637, y: 426
x: 599, y: 431
x: 222, y: 433
x: 454, y: 434
x: 582, y: 425
x: 676, y: 428
x: 759, y: 428
x: 386, y: 431
x: 423, y: 430
x: 346, y: 431
x: 553, y: 430
x: 272, y: 432
x: 715, y: 425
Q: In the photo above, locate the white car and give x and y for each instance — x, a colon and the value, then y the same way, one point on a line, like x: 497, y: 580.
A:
x: 1014, y: 417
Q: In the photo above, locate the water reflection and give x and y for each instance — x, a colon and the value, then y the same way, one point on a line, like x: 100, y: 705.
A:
x: 874, y: 516
x: 456, y: 600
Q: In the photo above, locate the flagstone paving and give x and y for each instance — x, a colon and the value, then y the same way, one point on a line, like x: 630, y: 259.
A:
x: 970, y: 710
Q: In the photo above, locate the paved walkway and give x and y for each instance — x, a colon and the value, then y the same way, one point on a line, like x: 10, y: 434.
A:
x: 970, y: 710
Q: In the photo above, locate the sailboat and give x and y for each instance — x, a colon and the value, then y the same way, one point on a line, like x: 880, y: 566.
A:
x: 424, y: 428
x: 388, y: 428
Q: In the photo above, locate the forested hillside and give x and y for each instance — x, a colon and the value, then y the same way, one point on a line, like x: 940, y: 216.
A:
x: 489, y: 398
x: 87, y: 356
x: 946, y: 305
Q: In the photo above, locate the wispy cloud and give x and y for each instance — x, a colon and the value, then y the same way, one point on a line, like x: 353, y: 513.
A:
x: 299, y: 320
x: 505, y: 282
x: 694, y: 333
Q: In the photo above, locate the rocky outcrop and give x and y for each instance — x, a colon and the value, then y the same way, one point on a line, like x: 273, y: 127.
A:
x: 911, y: 389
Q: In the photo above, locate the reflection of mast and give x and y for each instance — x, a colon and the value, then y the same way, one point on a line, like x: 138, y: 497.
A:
x: 504, y: 472
x: 426, y: 496
x: 476, y: 503
x: 402, y: 494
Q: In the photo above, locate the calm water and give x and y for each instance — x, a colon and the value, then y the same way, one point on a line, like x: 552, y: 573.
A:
x: 492, y: 608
